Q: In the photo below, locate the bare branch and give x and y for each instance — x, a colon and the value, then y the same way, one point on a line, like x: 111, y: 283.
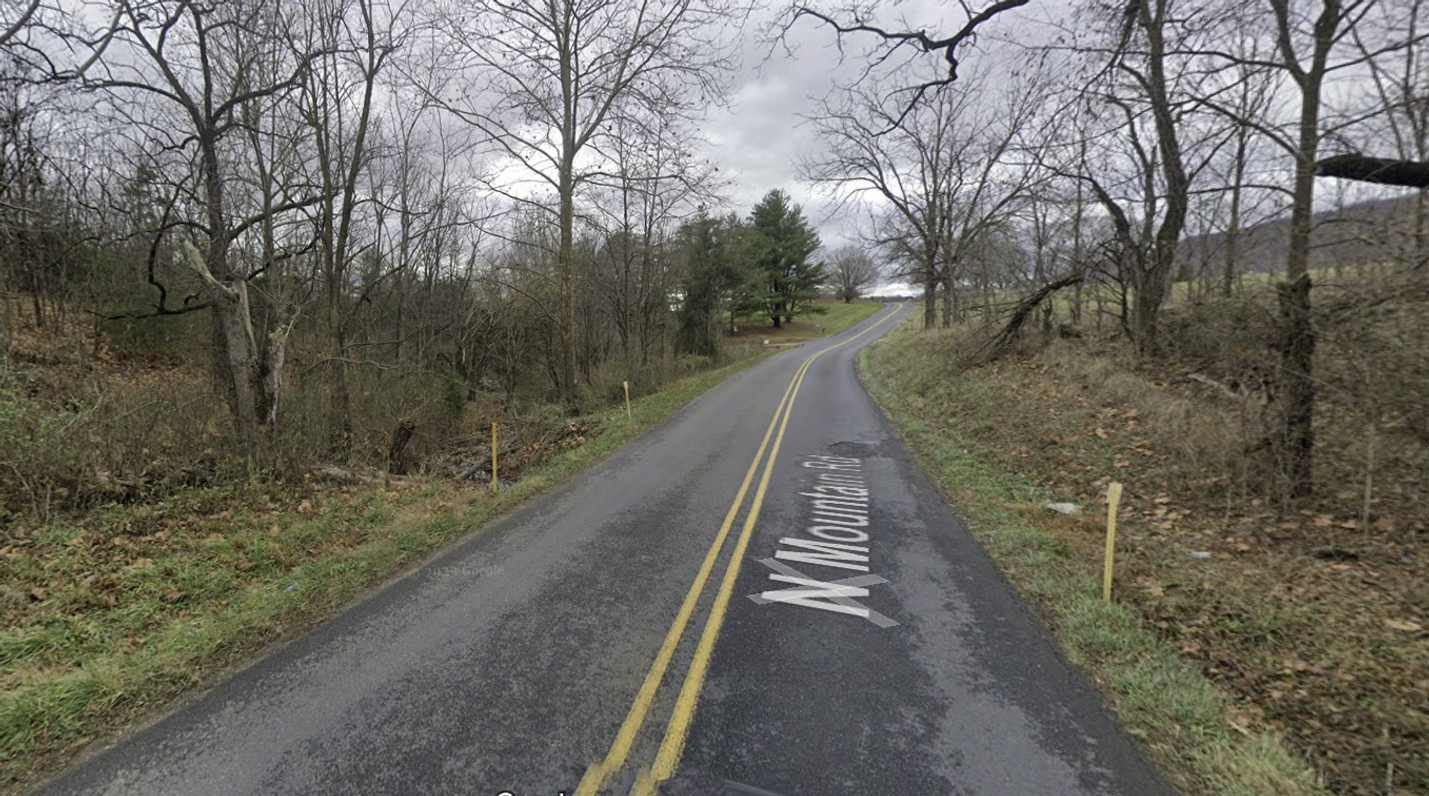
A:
x: 920, y: 40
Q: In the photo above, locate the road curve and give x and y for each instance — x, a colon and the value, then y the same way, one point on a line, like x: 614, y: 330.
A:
x: 763, y: 595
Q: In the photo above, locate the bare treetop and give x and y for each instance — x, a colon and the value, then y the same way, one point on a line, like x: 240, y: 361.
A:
x: 10, y: 26
x: 858, y: 21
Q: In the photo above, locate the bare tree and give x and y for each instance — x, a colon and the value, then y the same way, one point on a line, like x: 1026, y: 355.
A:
x: 553, y: 78
x: 995, y: 177
x: 1401, y: 89
x: 1134, y: 101
x: 851, y: 271
x: 909, y: 165
x: 275, y: 161
x: 1251, y: 90
x: 1138, y: 142
x: 1308, y: 40
x: 26, y: 150
x: 1144, y: 28
x: 1297, y: 349
x: 190, y: 60
x: 653, y: 181
x: 338, y: 102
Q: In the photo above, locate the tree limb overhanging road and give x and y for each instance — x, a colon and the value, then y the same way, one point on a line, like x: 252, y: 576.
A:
x: 763, y: 595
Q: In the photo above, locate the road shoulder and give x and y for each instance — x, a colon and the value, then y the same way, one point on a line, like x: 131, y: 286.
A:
x: 1187, y: 725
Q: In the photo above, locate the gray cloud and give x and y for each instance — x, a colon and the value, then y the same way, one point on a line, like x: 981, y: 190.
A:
x: 759, y: 137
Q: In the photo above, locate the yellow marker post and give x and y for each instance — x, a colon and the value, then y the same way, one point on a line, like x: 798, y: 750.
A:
x: 627, y: 399
x: 493, y: 458
x: 1113, y: 500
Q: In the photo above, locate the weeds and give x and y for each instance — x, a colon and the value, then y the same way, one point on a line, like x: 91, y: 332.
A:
x: 110, y: 613
x: 1311, y: 615
x: 988, y: 439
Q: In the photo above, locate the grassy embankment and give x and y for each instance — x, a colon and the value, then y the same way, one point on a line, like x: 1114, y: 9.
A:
x: 836, y: 317
x: 978, y: 434
x: 119, y: 611
x: 126, y: 607
x: 116, y: 612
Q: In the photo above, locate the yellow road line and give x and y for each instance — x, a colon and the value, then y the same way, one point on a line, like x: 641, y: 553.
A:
x: 596, y: 775
x: 673, y: 745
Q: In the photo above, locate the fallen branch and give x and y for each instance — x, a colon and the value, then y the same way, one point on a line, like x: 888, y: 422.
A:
x: 1021, y: 311
x: 342, y: 475
x: 1380, y: 171
x: 1210, y: 382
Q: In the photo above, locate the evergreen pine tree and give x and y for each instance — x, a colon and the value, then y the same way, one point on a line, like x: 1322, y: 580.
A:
x: 781, y: 243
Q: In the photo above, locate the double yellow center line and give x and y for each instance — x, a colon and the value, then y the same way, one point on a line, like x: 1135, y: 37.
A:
x: 683, y: 714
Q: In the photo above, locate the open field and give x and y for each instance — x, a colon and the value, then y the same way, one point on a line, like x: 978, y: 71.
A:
x: 839, y: 316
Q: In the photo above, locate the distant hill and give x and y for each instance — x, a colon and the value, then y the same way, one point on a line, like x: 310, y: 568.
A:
x: 1364, y: 232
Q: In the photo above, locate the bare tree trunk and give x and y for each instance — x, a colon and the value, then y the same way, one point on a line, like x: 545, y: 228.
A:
x: 1155, y: 282
x: 948, y: 297
x: 1297, y: 346
x: 930, y: 303
x: 566, y: 326
x: 235, y: 349
x: 1232, y: 251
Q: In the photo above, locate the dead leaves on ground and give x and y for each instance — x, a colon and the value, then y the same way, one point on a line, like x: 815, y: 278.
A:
x: 1331, y: 650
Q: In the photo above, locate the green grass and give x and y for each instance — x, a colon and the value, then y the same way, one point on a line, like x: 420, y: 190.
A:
x: 1184, y: 291
x: 122, y: 610
x: 1186, y: 723
x: 836, y: 317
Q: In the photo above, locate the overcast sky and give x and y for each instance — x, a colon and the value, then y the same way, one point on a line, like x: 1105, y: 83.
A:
x: 759, y: 138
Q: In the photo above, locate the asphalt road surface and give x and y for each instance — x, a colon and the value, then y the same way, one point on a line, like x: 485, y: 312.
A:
x: 763, y: 595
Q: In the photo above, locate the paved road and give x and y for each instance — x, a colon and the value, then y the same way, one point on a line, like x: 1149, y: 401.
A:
x: 602, y: 641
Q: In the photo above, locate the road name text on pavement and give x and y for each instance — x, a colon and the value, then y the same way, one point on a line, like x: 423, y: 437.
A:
x: 838, y: 503
x: 672, y: 745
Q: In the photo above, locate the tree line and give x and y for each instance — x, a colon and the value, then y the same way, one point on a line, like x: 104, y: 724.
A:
x: 1093, y: 139
x: 325, y: 201
x: 505, y: 194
